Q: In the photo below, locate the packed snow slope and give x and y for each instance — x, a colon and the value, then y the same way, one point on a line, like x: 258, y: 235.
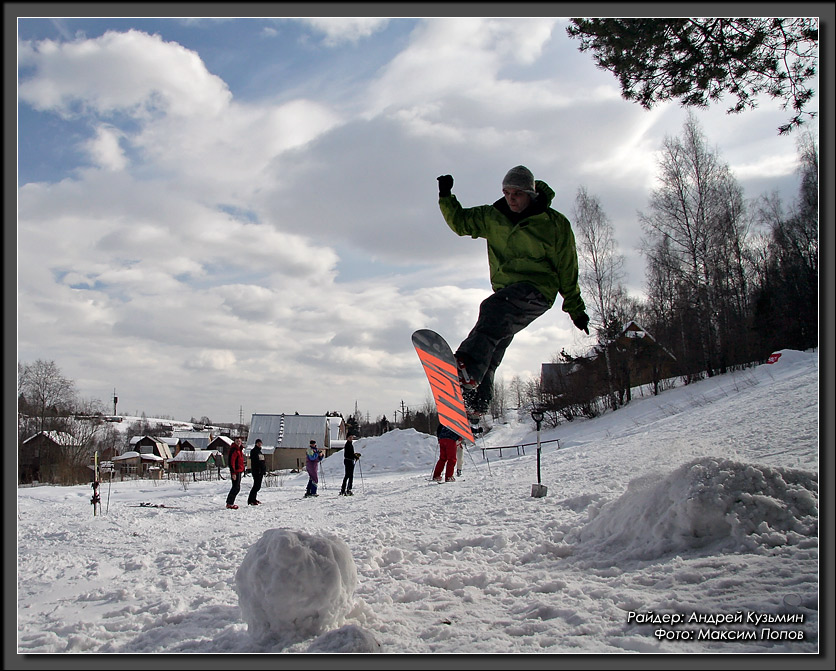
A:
x: 681, y: 523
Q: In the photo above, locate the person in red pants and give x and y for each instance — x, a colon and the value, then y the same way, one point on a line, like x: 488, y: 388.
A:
x: 236, y: 470
x: 447, y: 444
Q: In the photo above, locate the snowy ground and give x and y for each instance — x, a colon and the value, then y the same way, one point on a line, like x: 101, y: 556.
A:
x: 683, y: 523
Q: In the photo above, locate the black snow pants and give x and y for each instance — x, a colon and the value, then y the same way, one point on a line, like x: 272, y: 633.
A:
x: 502, y: 315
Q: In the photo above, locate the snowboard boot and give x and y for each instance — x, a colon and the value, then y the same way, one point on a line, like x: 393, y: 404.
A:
x: 476, y: 403
x: 467, y: 381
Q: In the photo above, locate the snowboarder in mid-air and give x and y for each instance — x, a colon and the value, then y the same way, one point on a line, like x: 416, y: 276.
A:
x: 532, y: 258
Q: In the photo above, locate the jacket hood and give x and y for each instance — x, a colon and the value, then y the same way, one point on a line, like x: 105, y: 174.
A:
x: 544, y: 192
x: 545, y: 195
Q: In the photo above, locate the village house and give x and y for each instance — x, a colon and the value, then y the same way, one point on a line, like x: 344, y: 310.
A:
x: 635, y: 359
x: 290, y: 435
x: 220, y: 444
x: 193, y: 440
x: 133, y: 464
x: 41, y: 458
x: 151, y: 445
x: 202, y: 464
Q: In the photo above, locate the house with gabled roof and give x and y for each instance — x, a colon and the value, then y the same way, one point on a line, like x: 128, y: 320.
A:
x: 40, y: 456
x: 204, y: 462
x: 635, y: 358
x: 192, y: 440
x: 150, y: 445
x: 290, y: 435
x: 139, y: 464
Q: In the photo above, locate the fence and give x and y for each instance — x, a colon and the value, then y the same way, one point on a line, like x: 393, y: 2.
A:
x: 519, y: 448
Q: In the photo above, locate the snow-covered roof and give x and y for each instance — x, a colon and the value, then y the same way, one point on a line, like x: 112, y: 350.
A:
x: 58, y: 437
x: 199, y: 456
x: 190, y: 434
x: 337, y: 428
x: 128, y: 455
x: 265, y: 450
x: 136, y: 439
x: 198, y: 442
x: 161, y: 445
x: 289, y: 430
x: 633, y: 330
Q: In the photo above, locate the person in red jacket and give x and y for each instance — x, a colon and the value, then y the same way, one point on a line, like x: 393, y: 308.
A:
x: 236, y: 470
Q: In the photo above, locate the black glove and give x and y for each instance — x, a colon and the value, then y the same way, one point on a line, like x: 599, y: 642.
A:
x: 445, y: 185
x: 581, y: 321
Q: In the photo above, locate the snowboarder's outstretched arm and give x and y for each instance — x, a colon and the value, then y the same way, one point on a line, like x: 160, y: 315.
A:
x: 462, y: 221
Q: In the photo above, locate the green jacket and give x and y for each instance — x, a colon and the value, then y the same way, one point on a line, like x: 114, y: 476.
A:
x: 538, y: 249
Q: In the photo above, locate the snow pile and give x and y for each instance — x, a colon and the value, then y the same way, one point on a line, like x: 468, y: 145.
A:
x: 347, y: 639
x: 293, y: 586
x: 730, y: 506
x: 787, y: 359
x: 401, y: 450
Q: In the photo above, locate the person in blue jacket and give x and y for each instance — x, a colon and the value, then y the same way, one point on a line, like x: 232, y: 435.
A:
x: 313, y: 456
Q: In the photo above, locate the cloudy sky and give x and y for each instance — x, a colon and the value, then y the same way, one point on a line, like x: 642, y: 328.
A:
x: 226, y: 216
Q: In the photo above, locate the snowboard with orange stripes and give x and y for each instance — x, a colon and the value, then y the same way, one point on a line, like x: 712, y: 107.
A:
x: 443, y: 375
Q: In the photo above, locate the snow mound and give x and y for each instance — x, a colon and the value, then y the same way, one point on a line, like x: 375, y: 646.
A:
x: 730, y: 506
x: 347, y: 639
x: 293, y: 586
x: 397, y: 451
x: 789, y: 357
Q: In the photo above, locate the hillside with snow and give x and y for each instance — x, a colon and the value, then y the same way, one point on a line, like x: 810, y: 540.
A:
x: 681, y: 523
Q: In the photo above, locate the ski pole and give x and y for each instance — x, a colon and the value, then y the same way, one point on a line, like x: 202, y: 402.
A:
x: 471, y: 457
x: 485, y: 452
x: 362, y: 483
x: 109, y: 485
x: 432, y: 472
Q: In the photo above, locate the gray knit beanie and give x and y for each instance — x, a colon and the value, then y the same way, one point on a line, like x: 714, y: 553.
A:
x: 520, y: 178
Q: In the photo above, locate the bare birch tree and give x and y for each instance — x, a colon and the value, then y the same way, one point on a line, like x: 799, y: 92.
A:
x: 601, y: 272
x: 696, y: 219
x: 46, y: 391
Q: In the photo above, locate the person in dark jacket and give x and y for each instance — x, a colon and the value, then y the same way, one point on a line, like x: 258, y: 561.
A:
x: 350, y: 458
x: 532, y: 258
x: 447, y: 442
x: 236, y: 470
x: 258, y: 468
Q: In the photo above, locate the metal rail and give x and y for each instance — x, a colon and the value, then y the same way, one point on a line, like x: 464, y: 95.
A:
x: 519, y: 448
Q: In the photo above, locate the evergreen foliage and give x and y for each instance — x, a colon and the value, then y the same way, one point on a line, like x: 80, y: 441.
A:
x: 698, y: 60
